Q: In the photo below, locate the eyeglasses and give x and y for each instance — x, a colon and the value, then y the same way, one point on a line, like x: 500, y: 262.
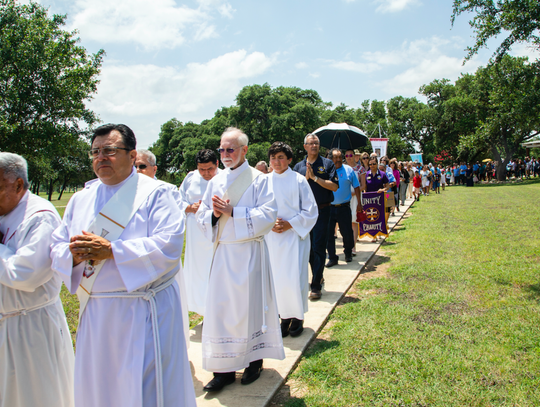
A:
x: 141, y: 166
x: 349, y: 155
x: 228, y: 150
x: 312, y: 144
x: 107, y: 151
x: 375, y: 164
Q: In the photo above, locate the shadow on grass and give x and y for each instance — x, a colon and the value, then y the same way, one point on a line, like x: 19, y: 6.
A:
x: 510, y: 183
x: 348, y: 300
x: 294, y: 402
x: 320, y: 346
x: 533, y: 290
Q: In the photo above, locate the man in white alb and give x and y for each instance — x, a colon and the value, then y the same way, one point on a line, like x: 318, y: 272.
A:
x: 241, y: 325
x: 145, y: 163
x: 288, y: 242
x: 36, y: 353
x: 119, y: 247
x: 197, y: 260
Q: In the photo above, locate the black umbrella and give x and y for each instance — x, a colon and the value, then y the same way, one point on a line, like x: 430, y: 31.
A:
x: 341, y: 135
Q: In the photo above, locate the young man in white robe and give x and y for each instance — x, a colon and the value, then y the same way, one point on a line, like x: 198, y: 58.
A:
x: 130, y: 348
x: 241, y: 324
x: 288, y: 242
x: 36, y: 353
x: 197, y: 260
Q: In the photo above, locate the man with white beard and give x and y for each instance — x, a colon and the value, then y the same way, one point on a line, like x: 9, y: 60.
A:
x: 288, y: 242
x: 197, y: 260
x: 119, y: 247
x: 241, y: 325
x: 36, y: 353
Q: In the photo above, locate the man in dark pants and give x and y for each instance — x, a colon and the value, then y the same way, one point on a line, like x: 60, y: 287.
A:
x: 321, y: 175
x: 340, y: 209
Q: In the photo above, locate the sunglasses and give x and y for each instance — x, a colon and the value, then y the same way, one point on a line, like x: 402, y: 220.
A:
x: 141, y: 166
x: 228, y: 150
x: 349, y: 155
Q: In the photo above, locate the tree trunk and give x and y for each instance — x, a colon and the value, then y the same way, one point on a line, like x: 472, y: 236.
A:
x: 63, y: 188
x: 50, y: 192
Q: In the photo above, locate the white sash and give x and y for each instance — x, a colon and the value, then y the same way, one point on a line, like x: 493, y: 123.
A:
x: 112, y: 220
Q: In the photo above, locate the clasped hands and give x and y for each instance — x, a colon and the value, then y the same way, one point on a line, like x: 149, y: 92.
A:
x: 193, y: 208
x: 90, y: 247
x: 309, y: 172
x: 281, y: 226
x: 221, y: 206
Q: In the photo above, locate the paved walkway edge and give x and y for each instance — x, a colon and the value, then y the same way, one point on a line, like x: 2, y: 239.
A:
x: 338, y: 280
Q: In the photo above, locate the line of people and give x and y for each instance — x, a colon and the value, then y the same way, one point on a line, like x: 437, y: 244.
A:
x: 249, y: 239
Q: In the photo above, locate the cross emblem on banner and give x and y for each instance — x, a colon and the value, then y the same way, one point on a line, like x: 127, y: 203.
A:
x: 372, y: 214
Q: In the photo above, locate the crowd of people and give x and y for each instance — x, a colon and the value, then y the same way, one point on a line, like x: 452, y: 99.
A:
x: 251, y: 235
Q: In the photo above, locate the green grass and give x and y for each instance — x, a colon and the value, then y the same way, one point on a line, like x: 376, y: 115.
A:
x: 456, y: 322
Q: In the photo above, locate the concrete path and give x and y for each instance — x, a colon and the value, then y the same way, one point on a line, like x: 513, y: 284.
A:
x: 338, y: 280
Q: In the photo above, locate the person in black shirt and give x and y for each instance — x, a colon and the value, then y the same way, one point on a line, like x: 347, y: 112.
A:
x: 322, y: 178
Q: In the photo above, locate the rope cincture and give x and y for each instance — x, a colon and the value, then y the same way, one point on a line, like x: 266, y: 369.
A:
x: 149, y: 296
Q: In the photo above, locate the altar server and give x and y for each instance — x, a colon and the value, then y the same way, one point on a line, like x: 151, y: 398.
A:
x: 288, y: 242
x: 197, y: 260
x: 120, y: 241
x: 241, y: 325
x: 36, y: 353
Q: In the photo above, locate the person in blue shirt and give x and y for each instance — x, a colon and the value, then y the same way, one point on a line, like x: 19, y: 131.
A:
x: 340, y: 209
x: 462, y: 171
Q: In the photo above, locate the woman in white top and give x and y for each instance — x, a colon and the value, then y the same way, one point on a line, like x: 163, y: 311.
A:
x: 425, y: 181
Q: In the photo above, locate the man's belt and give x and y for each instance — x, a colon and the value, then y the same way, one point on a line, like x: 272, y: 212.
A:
x: 324, y: 205
x: 24, y: 311
x: 342, y: 204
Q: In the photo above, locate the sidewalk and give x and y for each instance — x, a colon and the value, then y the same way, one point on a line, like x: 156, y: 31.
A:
x: 338, y: 280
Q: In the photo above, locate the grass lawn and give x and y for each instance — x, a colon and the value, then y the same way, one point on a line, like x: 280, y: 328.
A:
x: 456, y: 320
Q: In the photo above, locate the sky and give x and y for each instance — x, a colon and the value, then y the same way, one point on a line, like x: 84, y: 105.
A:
x: 186, y: 59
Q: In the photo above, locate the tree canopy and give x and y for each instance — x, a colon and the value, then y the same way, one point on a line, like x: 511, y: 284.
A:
x: 45, y: 80
x: 520, y: 18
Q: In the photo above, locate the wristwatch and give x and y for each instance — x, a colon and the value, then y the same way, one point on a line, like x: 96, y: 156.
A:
x: 315, y: 179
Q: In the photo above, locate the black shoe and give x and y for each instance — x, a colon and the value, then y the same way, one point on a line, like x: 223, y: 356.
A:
x: 220, y: 380
x: 331, y: 263
x: 252, y: 372
x: 348, y: 259
x: 285, y: 324
x: 315, y: 295
x: 297, y: 327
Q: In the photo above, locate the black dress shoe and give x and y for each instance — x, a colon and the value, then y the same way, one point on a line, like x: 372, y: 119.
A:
x: 252, y: 372
x: 331, y: 263
x: 220, y: 380
x: 348, y: 259
x: 285, y: 324
x: 297, y: 327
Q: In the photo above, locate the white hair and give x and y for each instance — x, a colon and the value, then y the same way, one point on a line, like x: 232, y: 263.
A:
x: 242, y: 137
x: 14, y: 167
x: 311, y: 135
x: 150, y: 156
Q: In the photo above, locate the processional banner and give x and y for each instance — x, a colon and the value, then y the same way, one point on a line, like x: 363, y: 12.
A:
x: 375, y: 224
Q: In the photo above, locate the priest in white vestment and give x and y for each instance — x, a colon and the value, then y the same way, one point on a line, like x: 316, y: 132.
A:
x: 36, y: 353
x: 241, y: 325
x: 130, y: 347
x: 288, y: 242
x: 197, y: 258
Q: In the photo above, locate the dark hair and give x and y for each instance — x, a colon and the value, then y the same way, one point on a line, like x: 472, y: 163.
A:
x: 128, y: 137
x: 280, y: 147
x: 373, y: 158
x: 330, y: 154
x: 206, y: 156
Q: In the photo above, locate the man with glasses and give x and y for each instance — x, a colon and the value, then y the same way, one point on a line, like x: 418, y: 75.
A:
x: 119, y: 247
x: 322, y: 178
x: 145, y: 163
x: 241, y: 324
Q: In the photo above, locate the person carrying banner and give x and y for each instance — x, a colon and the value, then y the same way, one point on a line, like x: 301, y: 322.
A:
x: 241, y: 324
x: 197, y: 260
x: 119, y: 247
x: 36, y: 353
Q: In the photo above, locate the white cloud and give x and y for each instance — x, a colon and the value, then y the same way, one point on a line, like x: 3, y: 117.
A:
x: 355, y: 66
x: 153, y: 24
x: 392, y: 6
x: 301, y: 65
x: 149, y: 95
x: 525, y: 50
